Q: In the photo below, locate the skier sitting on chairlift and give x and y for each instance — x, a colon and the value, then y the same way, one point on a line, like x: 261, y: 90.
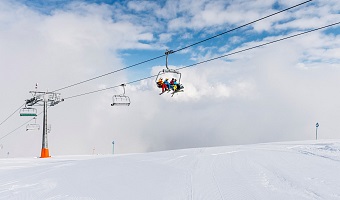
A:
x: 160, y: 83
x: 167, y: 84
x: 172, y: 83
x: 177, y: 86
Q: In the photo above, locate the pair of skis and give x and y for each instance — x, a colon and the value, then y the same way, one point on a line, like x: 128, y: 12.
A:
x: 172, y: 93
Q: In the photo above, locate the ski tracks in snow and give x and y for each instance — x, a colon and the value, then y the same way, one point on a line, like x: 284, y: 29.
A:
x: 203, y: 168
x: 20, y: 183
x: 261, y: 172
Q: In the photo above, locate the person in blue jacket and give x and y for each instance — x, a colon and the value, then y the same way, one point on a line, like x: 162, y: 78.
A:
x: 166, y: 82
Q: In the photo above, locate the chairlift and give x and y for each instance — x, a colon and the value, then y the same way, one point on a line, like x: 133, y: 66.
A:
x: 27, y: 111
x: 174, y: 87
x: 34, y: 126
x: 168, y: 70
x: 121, y: 99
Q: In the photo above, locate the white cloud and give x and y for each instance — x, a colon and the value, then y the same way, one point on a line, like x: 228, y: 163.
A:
x: 57, y: 50
x: 165, y: 37
x: 142, y: 5
x: 208, y: 82
x: 203, y: 14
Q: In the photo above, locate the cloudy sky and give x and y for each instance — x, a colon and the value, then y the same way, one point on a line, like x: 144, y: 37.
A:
x: 274, y: 93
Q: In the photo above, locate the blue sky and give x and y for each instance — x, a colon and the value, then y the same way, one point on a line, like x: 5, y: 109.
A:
x: 244, y: 98
x: 184, y: 36
x: 161, y: 35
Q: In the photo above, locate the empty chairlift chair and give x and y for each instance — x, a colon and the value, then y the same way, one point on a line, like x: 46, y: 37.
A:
x: 30, y: 112
x: 34, y: 126
x: 121, y: 99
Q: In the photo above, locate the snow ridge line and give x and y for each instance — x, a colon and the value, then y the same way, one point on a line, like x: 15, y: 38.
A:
x: 216, y: 154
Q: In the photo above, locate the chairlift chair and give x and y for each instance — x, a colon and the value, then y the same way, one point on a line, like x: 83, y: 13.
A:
x: 121, y: 99
x: 27, y: 111
x: 34, y: 126
x: 175, y: 72
x: 168, y: 70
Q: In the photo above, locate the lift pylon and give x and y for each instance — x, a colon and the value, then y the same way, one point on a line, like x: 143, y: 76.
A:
x: 43, y: 99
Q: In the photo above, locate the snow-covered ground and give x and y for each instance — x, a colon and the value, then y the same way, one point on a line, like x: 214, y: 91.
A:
x: 287, y: 170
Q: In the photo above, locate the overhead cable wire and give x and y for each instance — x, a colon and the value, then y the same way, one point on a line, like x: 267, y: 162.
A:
x: 95, y: 91
x: 219, y: 57
x: 18, y: 128
x: 236, y: 52
x: 23, y: 124
x: 261, y: 45
x: 151, y: 59
x: 239, y: 27
x: 12, y: 114
x: 188, y: 46
x: 199, y: 42
x: 118, y: 70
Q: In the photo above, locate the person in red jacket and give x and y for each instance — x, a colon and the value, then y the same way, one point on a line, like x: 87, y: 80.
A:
x: 172, y: 83
x: 161, y: 84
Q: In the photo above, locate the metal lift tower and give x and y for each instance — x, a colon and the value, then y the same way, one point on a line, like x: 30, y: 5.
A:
x: 45, y: 99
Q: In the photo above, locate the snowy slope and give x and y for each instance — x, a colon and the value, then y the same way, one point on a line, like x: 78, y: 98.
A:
x: 290, y: 170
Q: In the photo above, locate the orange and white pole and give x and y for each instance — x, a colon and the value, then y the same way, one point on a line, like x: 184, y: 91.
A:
x: 44, y: 150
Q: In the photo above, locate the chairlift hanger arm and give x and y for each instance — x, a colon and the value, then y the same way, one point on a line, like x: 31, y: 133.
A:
x: 167, y: 53
x: 123, y: 85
